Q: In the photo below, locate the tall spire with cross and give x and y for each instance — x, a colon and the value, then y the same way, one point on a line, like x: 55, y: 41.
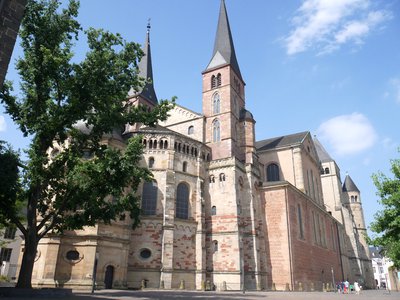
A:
x: 224, y: 50
x: 146, y: 71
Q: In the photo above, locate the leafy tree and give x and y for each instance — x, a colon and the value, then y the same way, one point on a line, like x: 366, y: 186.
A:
x: 71, y: 106
x: 387, y: 221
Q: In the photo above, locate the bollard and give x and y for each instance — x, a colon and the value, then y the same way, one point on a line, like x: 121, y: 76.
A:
x: 208, y: 285
x: 203, y: 285
x: 162, y: 286
x: 182, y: 285
x: 312, y: 288
x: 223, y: 286
x: 300, y: 287
x: 273, y: 286
x: 287, y: 288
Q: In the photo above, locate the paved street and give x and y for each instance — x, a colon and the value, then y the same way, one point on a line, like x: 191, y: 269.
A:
x: 157, y: 294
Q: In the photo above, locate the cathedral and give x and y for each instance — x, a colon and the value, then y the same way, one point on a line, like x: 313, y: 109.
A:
x: 224, y: 211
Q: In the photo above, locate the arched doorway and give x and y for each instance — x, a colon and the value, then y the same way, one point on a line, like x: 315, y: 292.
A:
x: 109, y: 276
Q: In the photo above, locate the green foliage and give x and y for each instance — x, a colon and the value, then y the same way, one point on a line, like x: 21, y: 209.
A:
x: 65, y: 190
x: 387, y: 221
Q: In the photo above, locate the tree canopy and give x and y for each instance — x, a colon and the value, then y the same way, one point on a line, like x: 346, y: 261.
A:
x: 387, y: 221
x: 67, y: 108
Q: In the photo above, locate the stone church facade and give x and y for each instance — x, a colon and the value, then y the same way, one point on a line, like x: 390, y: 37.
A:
x: 223, y: 211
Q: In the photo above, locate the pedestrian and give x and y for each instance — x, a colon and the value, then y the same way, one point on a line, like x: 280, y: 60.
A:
x: 346, y: 286
x: 357, y: 287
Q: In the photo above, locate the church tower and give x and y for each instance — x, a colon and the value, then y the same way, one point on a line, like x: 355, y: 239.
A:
x: 224, y: 98
x: 146, y: 94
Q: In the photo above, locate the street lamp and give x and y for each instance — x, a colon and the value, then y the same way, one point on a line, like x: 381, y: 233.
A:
x: 96, y: 258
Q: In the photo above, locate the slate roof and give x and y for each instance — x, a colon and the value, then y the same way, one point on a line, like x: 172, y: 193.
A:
x: 281, y: 141
x: 322, y: 153
x: 349, y: 185
x: 224, y: 51
x: 146, y: 71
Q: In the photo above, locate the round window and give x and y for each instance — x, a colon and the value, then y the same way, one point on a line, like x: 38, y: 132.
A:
x: 145, y: 253
x: 72, y: 255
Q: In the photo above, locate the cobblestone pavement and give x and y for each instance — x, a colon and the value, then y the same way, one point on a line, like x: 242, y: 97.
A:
x: 178, y: 295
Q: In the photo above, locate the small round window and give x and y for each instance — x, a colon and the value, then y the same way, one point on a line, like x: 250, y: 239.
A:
x: 72, y: 255
x: 145, y: 253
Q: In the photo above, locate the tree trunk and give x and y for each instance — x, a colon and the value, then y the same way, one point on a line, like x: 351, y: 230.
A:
x: 28, y: 260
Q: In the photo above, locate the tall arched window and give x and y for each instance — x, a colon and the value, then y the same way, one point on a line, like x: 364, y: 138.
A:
x: 191, y: 129
x: 182, y: 201
x: 149, y: 198
x: 184, y: 166
x: 151, y: 162
x: 272, y: 172
x: 216, y: 131
x: 213, y: 82
x: 216, y: 103
x: 218, y: 79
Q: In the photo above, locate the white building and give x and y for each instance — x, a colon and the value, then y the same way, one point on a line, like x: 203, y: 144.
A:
x: 10, y: 248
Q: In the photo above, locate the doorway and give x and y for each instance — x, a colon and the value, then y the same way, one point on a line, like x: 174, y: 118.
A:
x: 109, y: 277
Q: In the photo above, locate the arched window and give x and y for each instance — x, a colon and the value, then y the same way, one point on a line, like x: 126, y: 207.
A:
x: 155, y: 144
x: 216, y: 103
x: 151, y: 162
x: 216, y: 131
x: 273, y: 172
x: 352, y: 199
x: 144, y: 143
x: 213, y: 82
x: 182, y: 201
x: 326, y: 170
x: 213, y: 210
x: 165, y: 144
x: 218, y: 79
x: 150, y: 144
x: 191, y: 129
x: 184, y: 166
x: 355, y: 198
x: 222, y: 177
x: 215, y: 246
x: 212, y: 179
x: 149, y: 198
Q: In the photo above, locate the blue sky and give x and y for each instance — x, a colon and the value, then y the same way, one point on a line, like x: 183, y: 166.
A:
x: 328, y: 66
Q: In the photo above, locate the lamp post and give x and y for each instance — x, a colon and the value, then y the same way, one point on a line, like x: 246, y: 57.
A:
x: 96, y: 258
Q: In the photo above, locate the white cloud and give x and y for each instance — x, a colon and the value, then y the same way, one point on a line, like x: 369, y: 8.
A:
x: 3, y: 125
x: 327, y: 24
x: 348, y: 134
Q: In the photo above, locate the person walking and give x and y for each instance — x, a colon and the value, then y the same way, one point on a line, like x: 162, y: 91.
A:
x: 357, y: 287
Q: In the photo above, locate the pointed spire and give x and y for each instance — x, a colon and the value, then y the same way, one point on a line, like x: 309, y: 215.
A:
x: 224, y: 51
x: 146, y: 71
x: 349, y: 185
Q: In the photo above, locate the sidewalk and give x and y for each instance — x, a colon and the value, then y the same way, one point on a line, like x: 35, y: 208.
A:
x: 198, y: 295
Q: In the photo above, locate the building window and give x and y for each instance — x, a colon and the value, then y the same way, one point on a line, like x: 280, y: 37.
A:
x: 182, y: 201
x: 191, y: 130
x: 352, y: 199
x: 72, y: 255
x: 184, y: 166
x: 213, y: 82
x: 151, y: 162
x: 216, y: 131
x: 219, y: 79
x: 9, y: 233
x: 145, y: 253
x: 300, y: 218
x: 273, y: 172
x: 326, y: 170
x: 5, y: 254
x: 355, y: 198
x: 149, y: 198
x: 216, y: 103
x: 213, y: 210
x: 212, y: 179
x: 222, y: 177
x: 215, y: 246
